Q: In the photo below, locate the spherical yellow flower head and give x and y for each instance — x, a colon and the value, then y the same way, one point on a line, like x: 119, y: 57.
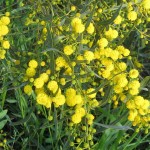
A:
x: 33, y: 63
x: 2, y: 54
x: 118, y: 20
x: 60, y: 62
x: 118, y: 89
x: 38, y: 83
x: 44, y: 99
x: 62, y: 81
x: 77, y: 25
x: 126, y: 52
x: 5, y: 44
x: 5, y: 20
x: 139, y: 101
x: 44, y: 77
x: 102, y: 42
x: 43, y: 63
x: 78, y: 99
x: 28, y: 89
x: 130, y: 104
x: 59, y: 99
x: 68, y: 49
x: 133, y: 73
x: 106, y: 73
x: 122, y: 81
x: 134, y: 91
x: 30, y: 72
x: 3, y: 30
x: 80, y: 111
x: 88, y: 55
x: 146, y: 104
x: 145, y: 4
x: 52, y: 86
x: 90, y: 29
x: 76, y: 118
x: 134, y: 84
x: 132, y: 114
x: 122, y: 66
x: 90, y: 118
x: 114, y: 55
x: 106, y: 61
x: 111, y: 34
x: 132, y: 15
x: 7, y: 14
x: 90, y: 90
x: 70, y: 97
x: 73, y: 8
x: 44, y: 30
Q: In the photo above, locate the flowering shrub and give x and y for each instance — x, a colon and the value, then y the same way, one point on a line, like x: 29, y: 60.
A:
x: 68, y: 63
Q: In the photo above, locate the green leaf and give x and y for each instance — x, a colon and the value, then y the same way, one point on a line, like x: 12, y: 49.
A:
x: 23, y: 120
x: 109, y: 21
x: 145, y: 82
x: 2, y: 123
x: 113, y: 127
x: 3, y: 114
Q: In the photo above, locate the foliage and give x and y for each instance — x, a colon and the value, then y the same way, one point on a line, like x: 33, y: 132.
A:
x: 74, y: 74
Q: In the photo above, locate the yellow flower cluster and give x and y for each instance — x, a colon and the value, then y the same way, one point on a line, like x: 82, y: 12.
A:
x: 86, y: 66
x: 4, y: 43
x: 77, y: 25
x: 111, y: 34
x: 139, y: 113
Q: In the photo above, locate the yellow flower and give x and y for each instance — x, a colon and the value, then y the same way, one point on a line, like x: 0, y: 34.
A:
x: 122, y: 66
x: 90, y: 29
x: 139, y: 101
x: 146, y: 4
x: 114, y: 55
x: 3, y: 30
x: 118, y: 20
x: 111, y: 34
x: 5, y: 20
x: 59, y: 99
x: 73, y: 8
x: 38, y: 83
x: 62, y: 81
x: 68, y: 50
x: 30, y: 72
x: 135, y: 84
x: 80, y: 111
x: 126, y: 52
x: 28, y: 89
x: 76, y: 118
x: 132, y: 15
x: 33, y: 63
x: 60, y: 62
x: 70, y: 92
x: 44, y: 99
x: 77, y: 25
x: 106, y: 73
x: 88, y: 55
x: 52, y: 86
x: 118, y: 89
x: 102, y: 42
x: 78, y: 99
x: 133, y: 73
x: 6, y: 44
x: 44, y: 77
x: 2, y: 54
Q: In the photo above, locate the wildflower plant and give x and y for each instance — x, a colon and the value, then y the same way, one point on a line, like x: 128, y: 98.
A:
x: 73, y: 75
